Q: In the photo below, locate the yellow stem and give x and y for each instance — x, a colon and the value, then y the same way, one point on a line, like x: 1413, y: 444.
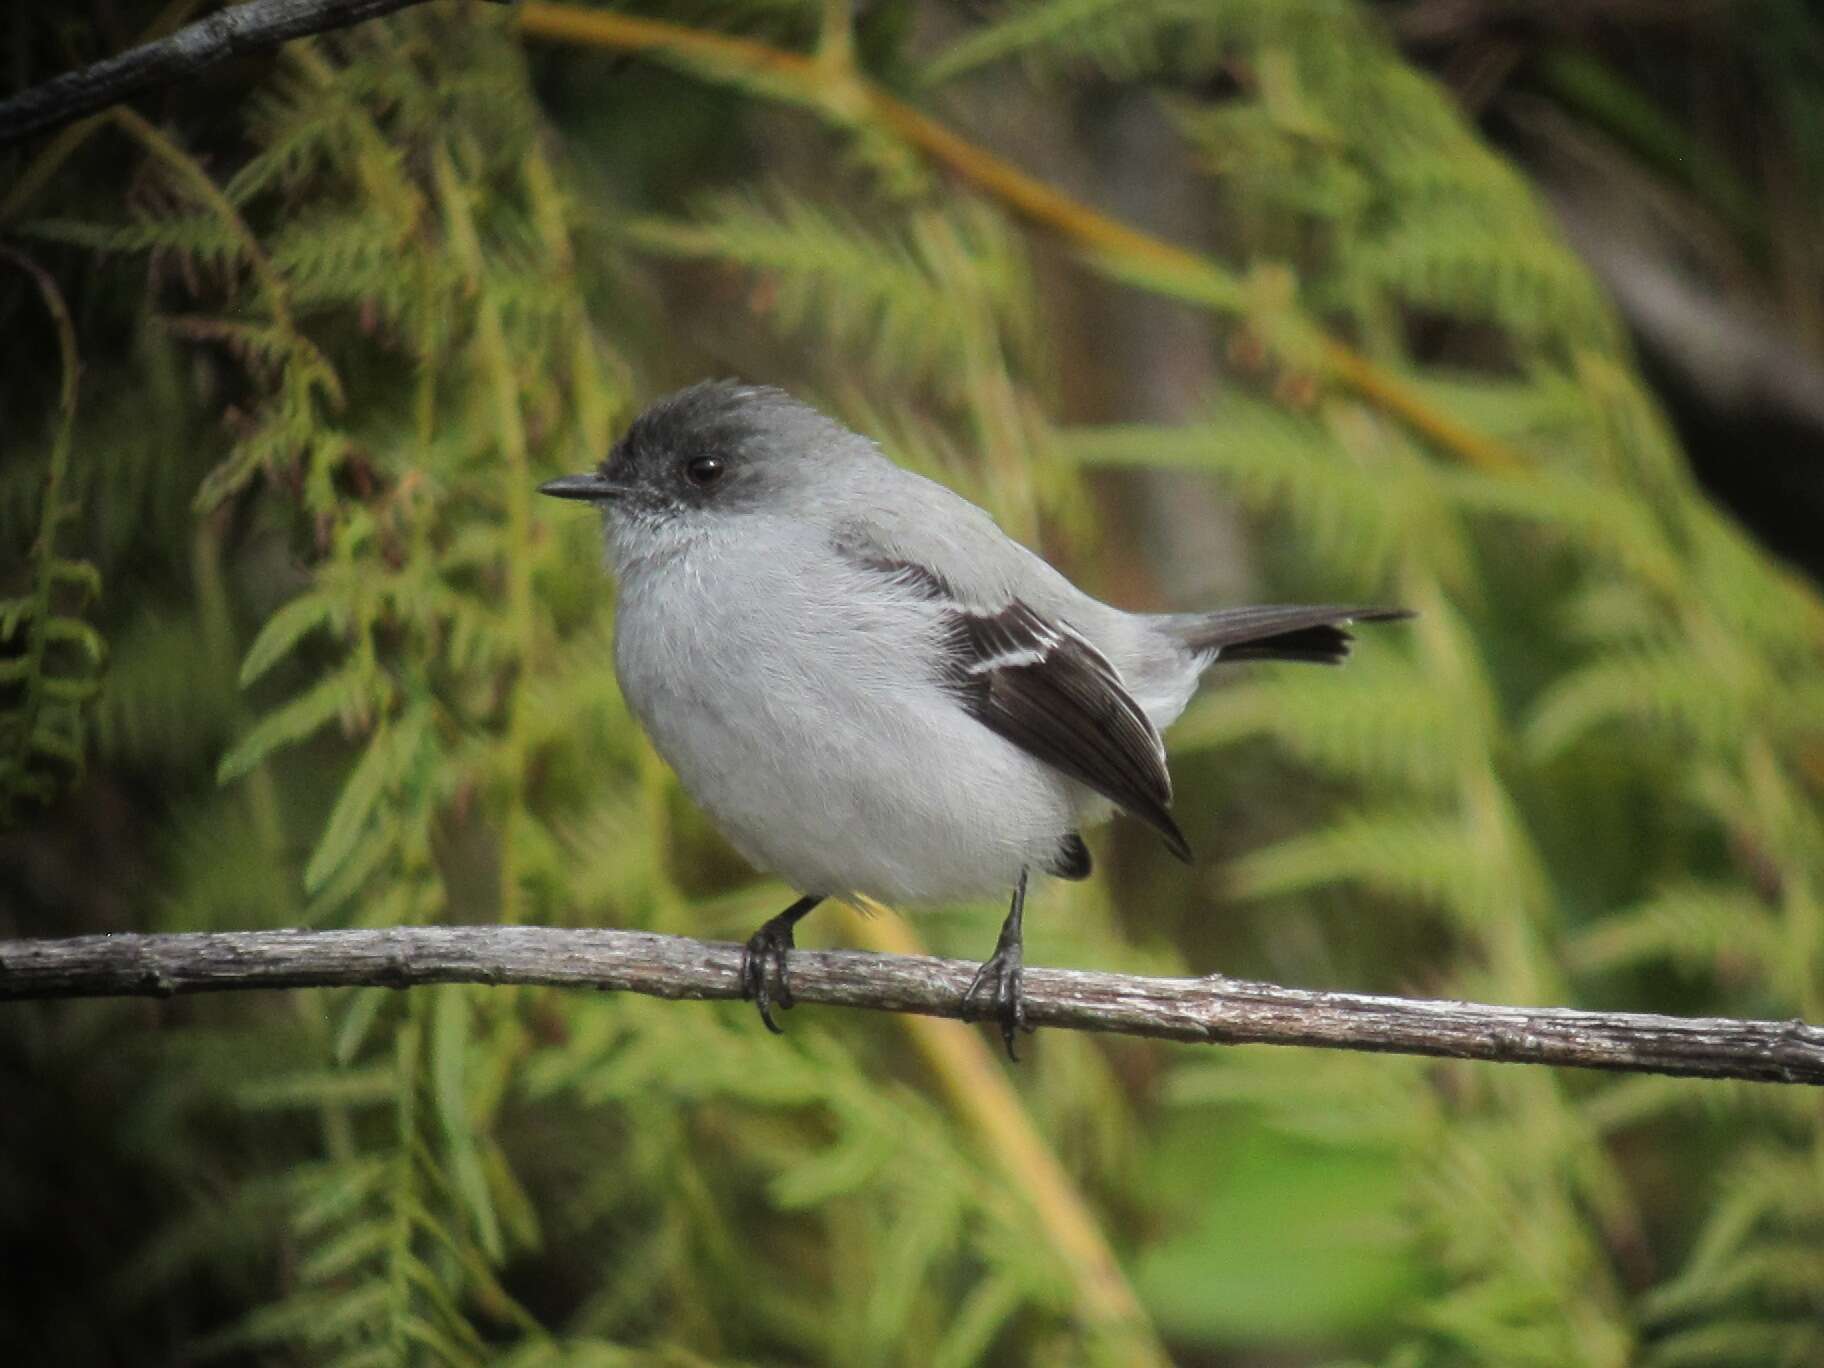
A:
x: 211, y: 195
x: 1027, y: 196
x: 978, y: 1090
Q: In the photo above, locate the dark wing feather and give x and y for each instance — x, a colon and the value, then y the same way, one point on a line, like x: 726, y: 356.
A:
x: 1049, y: 691
x: 1044, y: 687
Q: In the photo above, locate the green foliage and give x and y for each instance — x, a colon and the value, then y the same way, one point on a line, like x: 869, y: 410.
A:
x: 1588, y: 621
x: 49, y: 674
x: 890, y: 297
x: 368, y: 680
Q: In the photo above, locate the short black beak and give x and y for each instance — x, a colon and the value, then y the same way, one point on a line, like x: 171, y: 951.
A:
x: 588, y: 487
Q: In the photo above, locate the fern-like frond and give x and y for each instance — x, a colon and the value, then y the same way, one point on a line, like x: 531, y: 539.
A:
x: 1639, y: 1100
x: 343, y: 257
x: 892, y: 296
x: 200, y: 242
x: 1382, y: 724
x: 1130, y: 39
x: 1665, y: 685
x: 1463, y: 266
x: 1331, y: 1099
x: 50, y: 658
x: 1350, y: 514
x: 1427, y: 857
x: 158, y: 709
x: 341, y: 696
x: 399, y: 749
x: 1738, y: 1343
x: 1709, y: 929
x: 1594, y: 515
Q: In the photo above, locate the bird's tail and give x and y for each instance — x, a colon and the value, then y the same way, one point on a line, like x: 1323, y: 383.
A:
x: 1312, y: 633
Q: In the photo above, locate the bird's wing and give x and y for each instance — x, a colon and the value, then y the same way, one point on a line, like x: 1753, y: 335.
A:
x: 1042, y: 685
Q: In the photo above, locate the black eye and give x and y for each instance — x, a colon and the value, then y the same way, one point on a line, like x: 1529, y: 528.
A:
x: 704, y: 471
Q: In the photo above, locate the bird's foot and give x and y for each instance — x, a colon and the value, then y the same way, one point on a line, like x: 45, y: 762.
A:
x: 764, y: 951
x: 999, y: 980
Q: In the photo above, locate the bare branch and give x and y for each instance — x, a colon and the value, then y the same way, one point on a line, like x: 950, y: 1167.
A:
x: 232, y: 32
x: 1209, y: 1010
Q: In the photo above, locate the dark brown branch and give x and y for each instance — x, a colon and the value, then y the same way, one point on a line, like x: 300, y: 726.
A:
x: 232, y: 32
x: 1212, y: 1010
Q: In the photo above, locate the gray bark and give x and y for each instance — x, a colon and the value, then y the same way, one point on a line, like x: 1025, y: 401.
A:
x: 227, y: 33
x: 1207, y: 1010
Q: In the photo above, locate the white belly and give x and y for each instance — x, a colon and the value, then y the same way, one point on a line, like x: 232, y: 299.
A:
x: 816, y: 738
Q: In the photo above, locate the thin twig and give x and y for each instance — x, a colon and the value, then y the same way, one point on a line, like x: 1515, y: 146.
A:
x: 1207, y: 1010
x: 232, y: 32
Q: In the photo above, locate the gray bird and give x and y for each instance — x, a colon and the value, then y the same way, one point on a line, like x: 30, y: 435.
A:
x: 868, y: 686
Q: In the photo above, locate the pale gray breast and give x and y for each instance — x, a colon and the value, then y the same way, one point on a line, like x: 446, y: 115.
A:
x: 798, y: 697
x: 741, y: 650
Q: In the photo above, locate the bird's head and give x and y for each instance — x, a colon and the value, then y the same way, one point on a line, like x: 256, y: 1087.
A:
x: 706, y: 455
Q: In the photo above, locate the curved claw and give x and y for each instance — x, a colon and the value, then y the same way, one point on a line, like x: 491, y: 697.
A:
x: 765, y: 950
x: 1001, y: 975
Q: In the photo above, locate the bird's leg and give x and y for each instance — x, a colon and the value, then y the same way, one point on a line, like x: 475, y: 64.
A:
x: 1002, y: 972
x: 769, y: 944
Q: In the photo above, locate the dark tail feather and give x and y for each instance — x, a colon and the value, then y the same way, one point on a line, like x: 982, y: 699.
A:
x: 1313, y: 633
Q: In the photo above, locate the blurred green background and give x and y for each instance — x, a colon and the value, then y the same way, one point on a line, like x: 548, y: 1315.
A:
x: 1510, y: 314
